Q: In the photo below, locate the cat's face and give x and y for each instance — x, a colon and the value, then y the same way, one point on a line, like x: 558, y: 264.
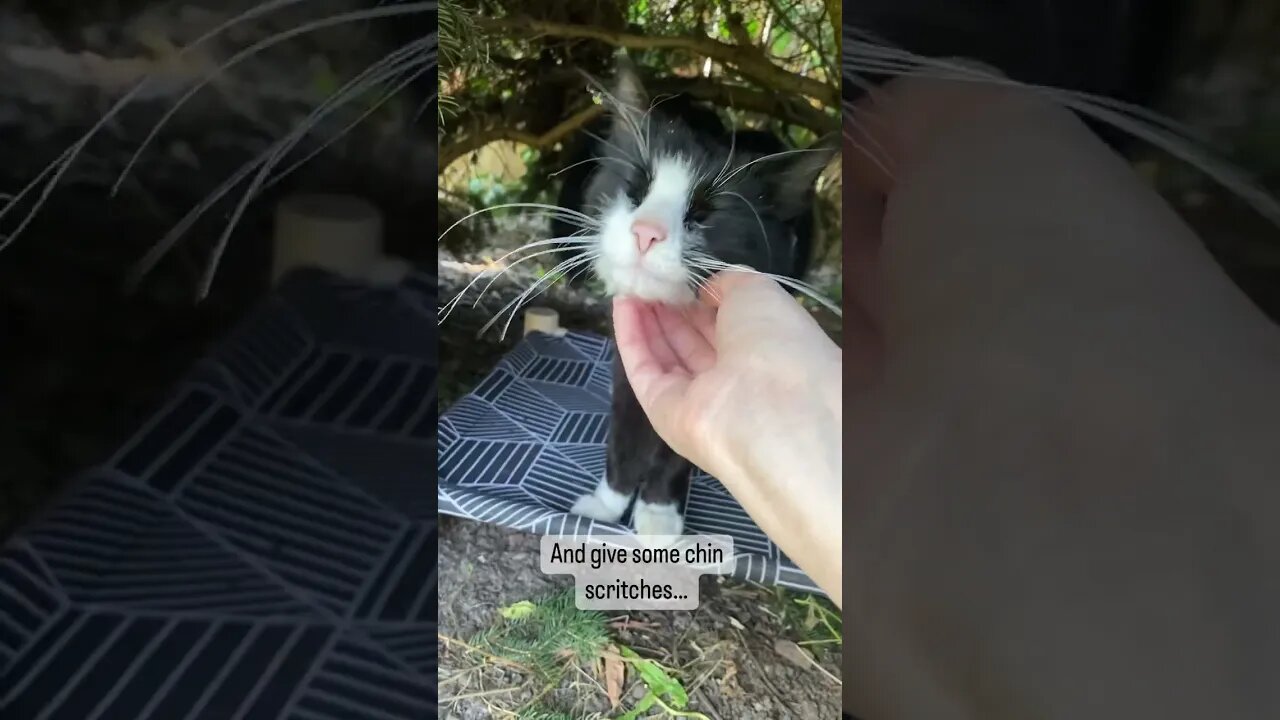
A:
x: 668, y: 196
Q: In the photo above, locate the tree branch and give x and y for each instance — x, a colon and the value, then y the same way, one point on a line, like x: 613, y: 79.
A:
x: 784, y: 20
x: 475, y: 141
x: 788, y: 109
x: 749, y: 61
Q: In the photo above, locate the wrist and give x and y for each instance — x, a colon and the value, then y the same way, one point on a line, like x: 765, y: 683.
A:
x: 782, y: 463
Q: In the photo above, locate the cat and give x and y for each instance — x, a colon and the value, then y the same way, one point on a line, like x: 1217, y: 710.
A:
x: 671, y: 183
x: 702, y: 121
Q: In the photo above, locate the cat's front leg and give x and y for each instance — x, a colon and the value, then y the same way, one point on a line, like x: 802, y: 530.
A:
x: 624, y: 473
x: 658, y: 509
x: 638, y: 461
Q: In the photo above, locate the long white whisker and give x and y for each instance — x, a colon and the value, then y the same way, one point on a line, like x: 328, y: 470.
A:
x: 1141, y: 123
x: 373, y: 107
x: 514, y: 305
x: 554, y: 210
x: 763, y: 235
x: 704, y: 284
x: 584, y: 267
x: 626, y: 113
x: 627, y: 157
x: 567, y: 240
x: 882, y: 161
x: 733, y: 141
x: 352, y: 89
x: 588, y: 160
x: 552, y: 277
x: 898, y: 61
x: 340, y: 19
x: 60, y: 166
x: 502, y: 272
x: 708, y: 263
x: 158, y: 250
x: 647, y: 117
x: 763, y: 158
x: 877, y: 153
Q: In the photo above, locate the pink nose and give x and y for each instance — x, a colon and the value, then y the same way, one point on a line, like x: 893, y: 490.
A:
x: 647, y: 234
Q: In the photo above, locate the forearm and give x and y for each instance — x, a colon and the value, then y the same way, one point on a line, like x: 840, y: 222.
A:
x: 785, y: 471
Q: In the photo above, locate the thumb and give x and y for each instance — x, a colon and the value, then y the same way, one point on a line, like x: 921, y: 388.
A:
x: 658, y: 386
x: 754, y: 310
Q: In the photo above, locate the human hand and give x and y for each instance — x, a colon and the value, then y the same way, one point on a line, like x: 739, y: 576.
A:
x: 747, y: 386
x: 712, y: 375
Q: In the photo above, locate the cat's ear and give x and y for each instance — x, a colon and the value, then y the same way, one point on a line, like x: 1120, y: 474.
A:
x: 626, y: 101
x: 797, y: 173
x: 628, y: 91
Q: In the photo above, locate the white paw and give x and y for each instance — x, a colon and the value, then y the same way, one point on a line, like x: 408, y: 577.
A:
x: 604, y: 504
x: 653, y: 519
x: 591, y: 506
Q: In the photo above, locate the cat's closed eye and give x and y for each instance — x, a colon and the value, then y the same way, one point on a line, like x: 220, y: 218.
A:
x: 638, y: 188
x: 699, y: 206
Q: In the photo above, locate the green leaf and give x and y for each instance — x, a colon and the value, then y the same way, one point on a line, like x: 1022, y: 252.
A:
x: 639, y: 12
x: 645, y: 703
x: 657, y: 679
x: 515, y: 611
x: 781, y: 43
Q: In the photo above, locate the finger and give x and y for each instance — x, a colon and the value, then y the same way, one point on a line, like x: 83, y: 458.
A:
x: 659, y: 348
x: 629, y: 334
x: 720, y: 285
x: 756, y: 313
x: 702, y: 315
x: 753, y: 293
x: 708, y: 295
x: 692, y: 348
x: 657, y: 390
x: 703, y: 318
x: 636, y: 328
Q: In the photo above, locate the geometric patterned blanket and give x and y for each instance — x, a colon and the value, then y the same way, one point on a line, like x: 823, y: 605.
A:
x: 265, y: 547
x: 530, y: 439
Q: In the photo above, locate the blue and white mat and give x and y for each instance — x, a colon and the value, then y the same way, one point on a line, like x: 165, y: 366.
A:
x: 264, y: 548
x: 530, y: 439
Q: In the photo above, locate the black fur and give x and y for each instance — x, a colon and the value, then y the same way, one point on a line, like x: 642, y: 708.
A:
x: 639, y: 460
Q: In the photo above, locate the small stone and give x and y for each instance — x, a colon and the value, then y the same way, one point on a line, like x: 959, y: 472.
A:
x: 792, y: 653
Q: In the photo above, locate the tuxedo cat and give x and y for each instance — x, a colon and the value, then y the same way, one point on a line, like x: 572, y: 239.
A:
x: 672, y: 184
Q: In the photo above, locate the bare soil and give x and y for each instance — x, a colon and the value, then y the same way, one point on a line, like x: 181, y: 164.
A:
x: 726, y: 652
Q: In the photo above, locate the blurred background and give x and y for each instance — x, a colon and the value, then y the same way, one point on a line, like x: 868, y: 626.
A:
x: 83, y: 359
x: 1211, y: 65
